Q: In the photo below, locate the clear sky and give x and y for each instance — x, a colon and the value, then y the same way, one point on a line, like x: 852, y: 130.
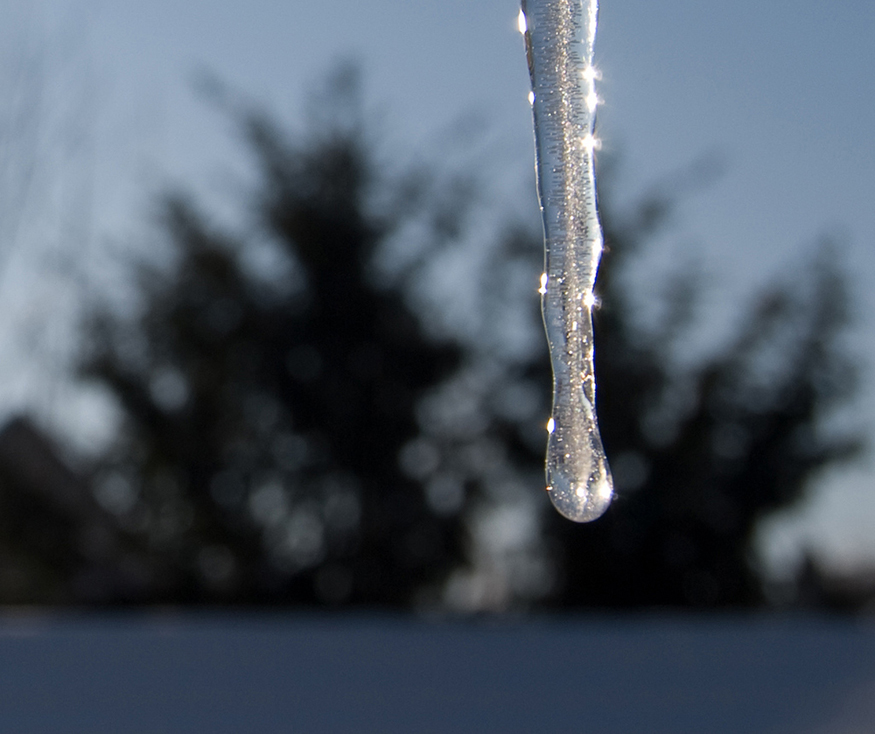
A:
x: 780, y: 91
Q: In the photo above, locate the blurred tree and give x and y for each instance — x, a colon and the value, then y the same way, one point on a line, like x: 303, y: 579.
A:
x: 267, y: 399
x: 293, y: 433
x: 700, y: 453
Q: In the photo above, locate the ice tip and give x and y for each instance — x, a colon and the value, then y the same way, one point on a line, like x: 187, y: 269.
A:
x: 580, y: 502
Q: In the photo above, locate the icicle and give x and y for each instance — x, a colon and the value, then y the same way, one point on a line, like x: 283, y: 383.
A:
x: 559, y: 46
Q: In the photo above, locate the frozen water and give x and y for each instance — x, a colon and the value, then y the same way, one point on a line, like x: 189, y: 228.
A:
x: 559, y: 38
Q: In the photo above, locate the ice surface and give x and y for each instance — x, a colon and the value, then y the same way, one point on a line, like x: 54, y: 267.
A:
x: 559, y: 47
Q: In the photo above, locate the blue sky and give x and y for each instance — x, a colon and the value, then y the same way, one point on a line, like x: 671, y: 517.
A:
x: 780, y: 91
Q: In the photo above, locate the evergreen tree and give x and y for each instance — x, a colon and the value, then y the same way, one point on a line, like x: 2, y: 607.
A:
x: 264, y: 415
x: 297, y: 436
x: 700, y: 453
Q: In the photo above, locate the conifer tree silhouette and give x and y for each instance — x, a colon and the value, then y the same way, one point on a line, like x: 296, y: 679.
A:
x: 264, y: 416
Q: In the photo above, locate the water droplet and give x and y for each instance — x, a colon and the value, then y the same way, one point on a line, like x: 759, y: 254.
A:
x: 559, y: 46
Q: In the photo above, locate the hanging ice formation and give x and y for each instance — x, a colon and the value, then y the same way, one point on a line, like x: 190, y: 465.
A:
x: 559, y: 38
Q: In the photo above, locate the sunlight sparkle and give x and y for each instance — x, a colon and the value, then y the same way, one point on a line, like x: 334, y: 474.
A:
x: 592, y: 101
x: 543, y: 289
x: 591, y: 73
x: 590, y: 143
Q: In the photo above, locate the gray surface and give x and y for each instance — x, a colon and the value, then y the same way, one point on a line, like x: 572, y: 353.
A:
x: 258, y: 673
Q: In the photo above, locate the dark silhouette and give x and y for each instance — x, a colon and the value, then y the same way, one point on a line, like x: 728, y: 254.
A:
x: 265, y: 414
x: 43, y: 507
x: 700, y: 454
x: 292, y: 434
x: 57, y: 544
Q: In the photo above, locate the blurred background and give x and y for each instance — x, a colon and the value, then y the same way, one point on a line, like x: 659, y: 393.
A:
x: 270, y: 343
x: 270, y: 329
